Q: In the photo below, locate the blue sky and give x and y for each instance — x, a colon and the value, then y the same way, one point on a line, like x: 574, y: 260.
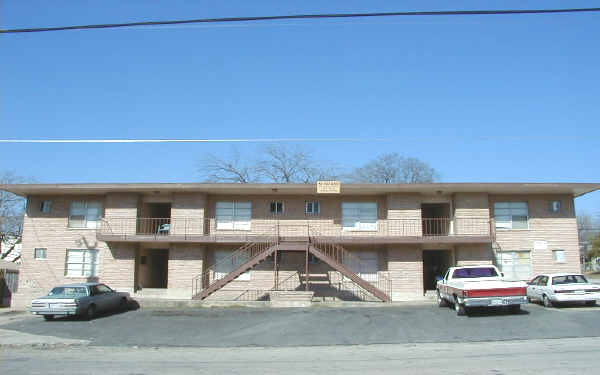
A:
x: 431, y: 86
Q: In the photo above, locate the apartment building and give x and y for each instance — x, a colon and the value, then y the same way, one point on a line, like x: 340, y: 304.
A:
x: 371, y: 242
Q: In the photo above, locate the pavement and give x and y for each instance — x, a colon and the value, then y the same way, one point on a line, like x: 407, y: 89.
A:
x: 264, y: 327
x: 548, y: 357
x: 396, y: 339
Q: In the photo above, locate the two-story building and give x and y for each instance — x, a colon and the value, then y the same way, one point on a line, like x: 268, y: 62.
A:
x: 380, y: 242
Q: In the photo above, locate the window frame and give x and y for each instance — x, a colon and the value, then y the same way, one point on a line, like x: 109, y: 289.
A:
x: 276, y: 204
x: 35, y: 250
x: 86, y: 221
x: 504, y: 226
x: 359, y: 224
x: 235, y: 223
x: 46, y: 206
x: 94, y: 266
x: 559, y: 251
x: 313, y: 205
x: 552, y: 205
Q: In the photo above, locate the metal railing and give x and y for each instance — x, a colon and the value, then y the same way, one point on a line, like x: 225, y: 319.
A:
x: 224, y: 267
x: 260, y: 228
x: 354, y: 264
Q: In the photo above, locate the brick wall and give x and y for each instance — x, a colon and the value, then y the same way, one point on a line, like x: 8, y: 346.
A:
x: 558, y: 230
x: 405, y: 268
x: 185, y: 262
x: 50, y: 231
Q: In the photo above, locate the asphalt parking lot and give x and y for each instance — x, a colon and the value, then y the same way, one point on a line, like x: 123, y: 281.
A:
x: 246, y: 327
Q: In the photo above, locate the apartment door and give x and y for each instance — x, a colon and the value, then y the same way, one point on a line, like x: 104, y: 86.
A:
x: 435, y: 263
x: 158, y: 263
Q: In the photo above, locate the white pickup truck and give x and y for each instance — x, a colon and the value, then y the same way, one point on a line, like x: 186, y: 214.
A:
x: 479, y: 286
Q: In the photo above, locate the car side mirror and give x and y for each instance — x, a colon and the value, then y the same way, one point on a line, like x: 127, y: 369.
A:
x: 439, y: 278
x: 502, y: 273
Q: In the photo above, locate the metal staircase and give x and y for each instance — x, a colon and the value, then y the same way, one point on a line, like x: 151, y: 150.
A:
x: 341, y: 260
x: 251, y: 254
x: 245, y: 258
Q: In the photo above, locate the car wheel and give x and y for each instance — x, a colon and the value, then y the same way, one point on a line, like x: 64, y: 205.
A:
x: 441, y: 302
x: 90, y: 312
x: 590, y: 303
x: 460, y: 309
x: 546, y: 301
x: 49, y: 317
x: 514, y: 309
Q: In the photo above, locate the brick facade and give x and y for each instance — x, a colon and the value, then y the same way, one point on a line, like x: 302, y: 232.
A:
x: 120, y: 262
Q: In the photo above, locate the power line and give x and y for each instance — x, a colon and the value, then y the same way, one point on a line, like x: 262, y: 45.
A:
x: 302, y: 16
x: 302, y: 139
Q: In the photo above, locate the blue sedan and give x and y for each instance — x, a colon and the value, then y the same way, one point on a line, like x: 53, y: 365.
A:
x: 85, y: 299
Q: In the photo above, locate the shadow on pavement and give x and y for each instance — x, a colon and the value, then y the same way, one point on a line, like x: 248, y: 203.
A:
x: 131, y: 306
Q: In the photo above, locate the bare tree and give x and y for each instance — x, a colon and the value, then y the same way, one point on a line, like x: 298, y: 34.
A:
x: 12, y: 209
x: 291, y: 165
x: 276, y: 164
x: 393, y: 168
x: 232, y: 169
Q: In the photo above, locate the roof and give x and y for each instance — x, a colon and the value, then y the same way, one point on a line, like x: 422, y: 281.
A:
x: 576, y: 189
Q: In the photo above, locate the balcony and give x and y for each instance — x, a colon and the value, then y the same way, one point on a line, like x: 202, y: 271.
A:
x: 439, y: 230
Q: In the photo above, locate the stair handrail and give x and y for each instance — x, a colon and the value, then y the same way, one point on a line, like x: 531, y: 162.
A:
x: 198, y: 281
x: 295, y: 274
x: 340, y: 254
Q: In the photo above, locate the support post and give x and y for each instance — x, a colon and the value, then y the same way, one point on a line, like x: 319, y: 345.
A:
x: 276, y: 270
x: 306, y: 270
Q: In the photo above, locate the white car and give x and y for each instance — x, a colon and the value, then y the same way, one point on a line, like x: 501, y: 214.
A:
x: 562, y: 288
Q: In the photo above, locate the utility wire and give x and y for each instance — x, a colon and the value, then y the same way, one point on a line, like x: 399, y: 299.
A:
x: 302, y: 16
x: 275, y: 140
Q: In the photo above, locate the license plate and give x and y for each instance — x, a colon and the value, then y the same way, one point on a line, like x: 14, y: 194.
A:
x: 580, y: 292
x: 497, y: 302
x: 56, y: 305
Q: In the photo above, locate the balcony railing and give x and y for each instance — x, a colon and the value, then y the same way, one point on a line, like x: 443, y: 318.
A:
x: 199, y: 228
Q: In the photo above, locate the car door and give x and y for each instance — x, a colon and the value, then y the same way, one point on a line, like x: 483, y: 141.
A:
x: 101, y: 297
x: 541, y: 287
x: 532, y: 287
x: 109, y: 297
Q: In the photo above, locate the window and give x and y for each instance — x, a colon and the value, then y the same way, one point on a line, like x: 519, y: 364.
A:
x: 224, y: 264
x: 558, y: 256
x: 359, y: 216
x: 104, y: 289
x: 312, y: 208
x: 511, y: 215
x: 467, y: 273
x: 234, y: 215
x: 555, y: 206
x: 569, y: 279
x: 276, y: 207
x: 85, y: 214
x: 46, y: 206
x: 543, y: 281
x: 516, y: 265
x: 82, y: 263
x: 39, y: 253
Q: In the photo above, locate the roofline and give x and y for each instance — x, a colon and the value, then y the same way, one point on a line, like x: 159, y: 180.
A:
x: 576, y: 189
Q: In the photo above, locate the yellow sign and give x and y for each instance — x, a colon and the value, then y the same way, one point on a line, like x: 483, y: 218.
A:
x: 328, y: 187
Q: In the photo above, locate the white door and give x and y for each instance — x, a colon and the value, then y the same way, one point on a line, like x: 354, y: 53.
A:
x: 516, y: 265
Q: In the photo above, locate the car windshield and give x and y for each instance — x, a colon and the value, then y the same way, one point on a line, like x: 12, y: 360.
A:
x: 569, y: 279
x: 68, y: 291
x: 466, y: 273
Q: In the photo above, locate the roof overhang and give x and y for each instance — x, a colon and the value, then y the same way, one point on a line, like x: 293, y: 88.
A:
x: 575, y: 189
